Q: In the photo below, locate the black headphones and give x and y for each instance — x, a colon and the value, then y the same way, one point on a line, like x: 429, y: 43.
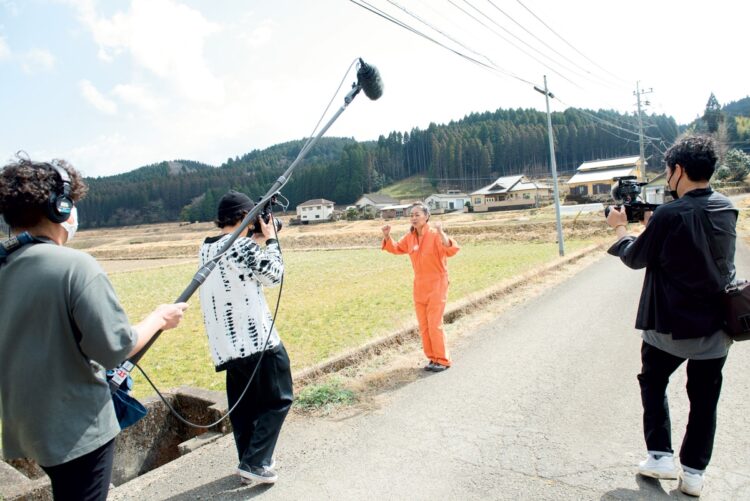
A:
x: 59, y: 204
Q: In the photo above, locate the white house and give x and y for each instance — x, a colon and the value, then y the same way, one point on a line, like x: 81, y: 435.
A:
x: 595, y: 177
x: 318, y: 209
x: 510, y: 192
x: 446, y: 202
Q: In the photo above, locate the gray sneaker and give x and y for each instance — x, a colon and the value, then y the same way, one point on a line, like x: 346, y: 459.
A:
x: 259, y: 474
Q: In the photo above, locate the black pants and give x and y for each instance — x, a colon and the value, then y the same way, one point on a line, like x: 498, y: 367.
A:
x: 258, y: 418
x: 85, y: 478
x: 703, y: 389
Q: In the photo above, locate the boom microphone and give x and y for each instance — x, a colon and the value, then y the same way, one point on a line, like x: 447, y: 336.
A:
x: 368, y: 78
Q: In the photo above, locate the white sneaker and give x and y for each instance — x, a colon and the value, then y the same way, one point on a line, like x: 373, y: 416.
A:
x: 691, y: 483
x: 663, y: 467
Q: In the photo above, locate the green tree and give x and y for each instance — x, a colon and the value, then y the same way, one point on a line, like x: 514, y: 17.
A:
x: 713, y: 115
x: 738, y: 164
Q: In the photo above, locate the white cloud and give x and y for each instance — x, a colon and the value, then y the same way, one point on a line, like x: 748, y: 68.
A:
x: 138, y: 96
x: 96, y: 98
x: 10, y: 7
x: 259, y: 36
x: 36, y: 60
x: 162, y: 36
x: 4, y: 49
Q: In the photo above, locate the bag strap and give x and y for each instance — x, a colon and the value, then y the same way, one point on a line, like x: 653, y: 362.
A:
x: 11, y: 245
x: 719, y: 259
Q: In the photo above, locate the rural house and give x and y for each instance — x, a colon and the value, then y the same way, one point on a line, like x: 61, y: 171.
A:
x: 510, y: 192
x: 394, y: 211
x: 315, y: 210
x: 594, y: 179
x: 446, y: 202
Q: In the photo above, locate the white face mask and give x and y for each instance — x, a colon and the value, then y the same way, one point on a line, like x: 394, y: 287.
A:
x: 71, y: 225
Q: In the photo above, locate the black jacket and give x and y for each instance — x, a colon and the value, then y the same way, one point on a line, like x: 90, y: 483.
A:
x: 681, y: 289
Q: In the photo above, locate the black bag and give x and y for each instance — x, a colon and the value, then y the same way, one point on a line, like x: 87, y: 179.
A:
x: 736, y: 296
x: 737, y: 306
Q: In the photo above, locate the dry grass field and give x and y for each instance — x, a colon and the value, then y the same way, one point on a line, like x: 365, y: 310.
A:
x: 340, y: 290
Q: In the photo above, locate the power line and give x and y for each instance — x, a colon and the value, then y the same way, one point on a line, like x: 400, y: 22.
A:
x: 544, y: 43
x: 508, y: 41
x: 492, y: 67
x: 569, y: 44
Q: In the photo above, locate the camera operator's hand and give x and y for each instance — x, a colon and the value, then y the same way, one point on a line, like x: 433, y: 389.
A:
x: 267, y: 230
x: 386, y: 230
x: 617, y: 217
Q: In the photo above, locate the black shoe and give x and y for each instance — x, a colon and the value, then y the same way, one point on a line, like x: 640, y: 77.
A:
x: 260, y: 474
x: 430, y: 365
x: 439, y: 367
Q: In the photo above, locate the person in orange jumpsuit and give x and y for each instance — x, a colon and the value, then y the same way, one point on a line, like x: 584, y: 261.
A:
x: 428, y: 247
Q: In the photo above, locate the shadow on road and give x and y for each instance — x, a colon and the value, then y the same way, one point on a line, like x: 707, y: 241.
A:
x: 228, y: 488
x: 648, y: 488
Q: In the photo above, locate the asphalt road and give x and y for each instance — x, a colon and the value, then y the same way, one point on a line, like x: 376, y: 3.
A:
x: 542, y: 403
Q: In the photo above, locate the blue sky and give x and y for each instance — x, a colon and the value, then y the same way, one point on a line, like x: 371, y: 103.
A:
x: 114, y: 85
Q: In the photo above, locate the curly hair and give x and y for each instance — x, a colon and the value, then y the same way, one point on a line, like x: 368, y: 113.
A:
x: 695, y: 154
x: 25, y: 188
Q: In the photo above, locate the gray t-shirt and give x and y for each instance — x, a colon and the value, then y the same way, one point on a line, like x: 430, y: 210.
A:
x: 700, y: 348
x: 57, y: 311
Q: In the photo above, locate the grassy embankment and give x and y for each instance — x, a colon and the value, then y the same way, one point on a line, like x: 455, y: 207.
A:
x: 332, y: 301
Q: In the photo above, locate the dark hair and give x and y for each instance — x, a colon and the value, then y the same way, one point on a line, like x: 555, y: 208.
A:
x: 695, y: 154
x: 25, y: 188
x: 231, y: 218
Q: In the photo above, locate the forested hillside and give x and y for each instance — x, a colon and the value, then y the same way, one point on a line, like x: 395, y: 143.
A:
x: 464, y: 154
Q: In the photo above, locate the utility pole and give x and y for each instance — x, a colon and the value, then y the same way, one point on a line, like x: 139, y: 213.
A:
x: 553, y: 166
x: 638, y: 92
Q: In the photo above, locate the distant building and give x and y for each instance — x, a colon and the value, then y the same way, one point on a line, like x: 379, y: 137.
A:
x: 656, y: 190
x: 375, y: 201
x: 510, y: 192
x: 447, y: 202
x: 394, y: 211
x: 315, y: 210
x: 594, y: 179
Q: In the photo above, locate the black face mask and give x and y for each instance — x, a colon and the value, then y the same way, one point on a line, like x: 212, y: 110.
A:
x: 673, y: 192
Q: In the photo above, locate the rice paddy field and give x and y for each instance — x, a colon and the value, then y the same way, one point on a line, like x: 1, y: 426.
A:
x: 334, y: 298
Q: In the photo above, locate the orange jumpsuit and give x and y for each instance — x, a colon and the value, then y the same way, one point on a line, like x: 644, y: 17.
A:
x: 429, y: 259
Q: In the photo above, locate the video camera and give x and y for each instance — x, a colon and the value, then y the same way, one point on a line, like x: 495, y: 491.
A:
x: 627, y: 193
x: 265, y: 213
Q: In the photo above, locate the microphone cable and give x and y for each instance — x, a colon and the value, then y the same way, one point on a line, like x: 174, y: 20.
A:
x: 278, y: 300
x: 255, y: 370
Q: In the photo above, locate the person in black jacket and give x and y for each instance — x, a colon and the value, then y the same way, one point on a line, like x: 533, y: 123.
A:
x: 679, y: 310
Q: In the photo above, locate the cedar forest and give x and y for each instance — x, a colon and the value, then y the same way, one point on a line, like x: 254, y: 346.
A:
x: 465, y: 155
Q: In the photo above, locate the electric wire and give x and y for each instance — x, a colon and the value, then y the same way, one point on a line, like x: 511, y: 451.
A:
x: 491, y: 67
x: 517, y: 38
x: 545, y: 43
x: 568, y: 43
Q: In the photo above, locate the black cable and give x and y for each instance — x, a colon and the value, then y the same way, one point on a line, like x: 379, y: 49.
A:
x: 252, y: 376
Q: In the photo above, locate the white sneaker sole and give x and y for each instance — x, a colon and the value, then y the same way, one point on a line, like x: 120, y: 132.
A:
x: 247, y: 478
x: 689, y: 491
x: 664, y: 475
